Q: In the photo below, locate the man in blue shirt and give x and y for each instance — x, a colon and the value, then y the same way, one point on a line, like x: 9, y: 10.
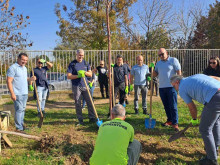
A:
x: 41, y: 82
x: 78, y: 69
x: 139, y: 72
x: 205, y: 90
x: 17, y: 82
x: 165, y: 69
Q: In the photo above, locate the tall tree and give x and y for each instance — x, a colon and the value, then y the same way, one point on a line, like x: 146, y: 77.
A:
x: 153, y: 23
x: 11, y: 25
x: 85, y: 23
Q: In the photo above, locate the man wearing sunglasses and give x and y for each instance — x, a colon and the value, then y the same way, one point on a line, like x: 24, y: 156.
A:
x: 102, y: 71
x: 165, y: 69
x: 41, y: 82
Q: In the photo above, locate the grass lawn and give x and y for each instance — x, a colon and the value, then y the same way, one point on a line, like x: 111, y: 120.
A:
x: 68, y: 144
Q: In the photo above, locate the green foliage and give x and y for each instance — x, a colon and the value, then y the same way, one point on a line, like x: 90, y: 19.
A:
x: 207, y: 34
x: 85, y: 26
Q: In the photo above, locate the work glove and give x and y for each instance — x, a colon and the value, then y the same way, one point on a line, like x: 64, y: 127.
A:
x: 112, y: 65
x: 31, y: 88
x: 81, y: 73
x: 126, y: 89
x: 152, y: 65
x: 194, y: 122
x: 97, y: 74
x: 42, y: 60
x: 131, y: 87
x: 90, y: 85
x: 148, y: 78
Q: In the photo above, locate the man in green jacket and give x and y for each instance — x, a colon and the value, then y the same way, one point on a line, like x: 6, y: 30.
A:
x: 115, y: 144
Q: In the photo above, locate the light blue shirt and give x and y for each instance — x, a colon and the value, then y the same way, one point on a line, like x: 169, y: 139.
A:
x: 198, y: 87
x: 166, y: 69
x: 139, y: 73
x: 19, y: 83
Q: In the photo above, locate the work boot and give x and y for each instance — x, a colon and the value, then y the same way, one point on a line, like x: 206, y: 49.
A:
x: 206, y: 161
x: 145, y: 111
x: 136, y: 111
x: 176, y: 127
x: 166, y: 124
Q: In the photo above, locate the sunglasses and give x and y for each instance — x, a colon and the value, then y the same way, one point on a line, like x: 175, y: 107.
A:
x: 212, y: 62
x: 40, y: 63
x: 101, y: 64
x: 161, y: 54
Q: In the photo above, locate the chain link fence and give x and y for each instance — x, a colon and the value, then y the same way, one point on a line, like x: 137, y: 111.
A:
x: 192, y: 61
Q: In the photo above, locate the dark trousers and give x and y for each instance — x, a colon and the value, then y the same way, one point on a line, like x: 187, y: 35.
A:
x: 210, y: 126
x: 102, y: 84
x: 169, y: 99
x: 134, y: 151
x: 78, y: 94
x: 121, y: 89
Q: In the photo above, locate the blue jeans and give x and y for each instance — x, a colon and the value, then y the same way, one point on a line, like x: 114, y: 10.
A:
x: 42, y: 95
x: 91, y: 92
x: 169, y: 99
x: 20, y: 105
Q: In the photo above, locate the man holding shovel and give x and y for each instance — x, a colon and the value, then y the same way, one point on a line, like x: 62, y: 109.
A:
x: 165, y: 69
x: 205, y: 90
x: 139, y: 72
x: 115, y: 143
x: 77, y: 70
x: 17, y: 82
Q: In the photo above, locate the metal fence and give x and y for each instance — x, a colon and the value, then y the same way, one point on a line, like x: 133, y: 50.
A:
x: 192, y: 61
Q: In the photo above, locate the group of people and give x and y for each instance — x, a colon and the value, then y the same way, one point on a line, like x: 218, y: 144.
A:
x: 115, y: 143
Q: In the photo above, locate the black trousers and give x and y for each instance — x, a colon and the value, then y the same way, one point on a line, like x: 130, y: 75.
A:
x: 121, y: 89
x: 102, y: 85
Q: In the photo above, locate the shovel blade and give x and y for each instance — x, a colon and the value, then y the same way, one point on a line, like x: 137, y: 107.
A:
x: 99, y: 122
x: 150, y: 123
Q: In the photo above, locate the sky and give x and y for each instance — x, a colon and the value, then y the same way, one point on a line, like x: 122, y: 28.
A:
x: 43, y: 27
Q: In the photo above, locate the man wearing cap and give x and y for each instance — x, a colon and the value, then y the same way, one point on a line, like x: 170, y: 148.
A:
x: 115, y: 143
x: 102, y: 71
x: 17, y: 82
x: 138, y: 73
x: 41, y: 82
x: 165, y: 69
x: 205, y: 90
x: 77, y: 70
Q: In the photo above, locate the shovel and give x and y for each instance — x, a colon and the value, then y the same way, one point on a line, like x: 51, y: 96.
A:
x: 40, y: 123
x: 99, y: 122
x: 149, y: 122
x: 180, y: 133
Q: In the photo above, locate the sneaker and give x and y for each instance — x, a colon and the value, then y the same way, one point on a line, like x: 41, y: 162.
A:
x: 20, y: 131
x: 167, y: 123
x: 176, y: 127
x: 206, y: 161
x: 145, y: 111
x: 80, y: 124
x: 38, y: 114
x: 136, y: 111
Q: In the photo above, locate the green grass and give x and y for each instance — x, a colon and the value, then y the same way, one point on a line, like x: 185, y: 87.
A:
x: 74, y: 145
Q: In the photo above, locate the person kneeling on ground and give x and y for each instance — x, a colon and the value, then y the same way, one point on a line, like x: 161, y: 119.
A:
x: 115, y: 143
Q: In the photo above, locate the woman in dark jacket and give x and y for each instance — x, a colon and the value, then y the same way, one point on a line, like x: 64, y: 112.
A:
x: 213, y: 68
